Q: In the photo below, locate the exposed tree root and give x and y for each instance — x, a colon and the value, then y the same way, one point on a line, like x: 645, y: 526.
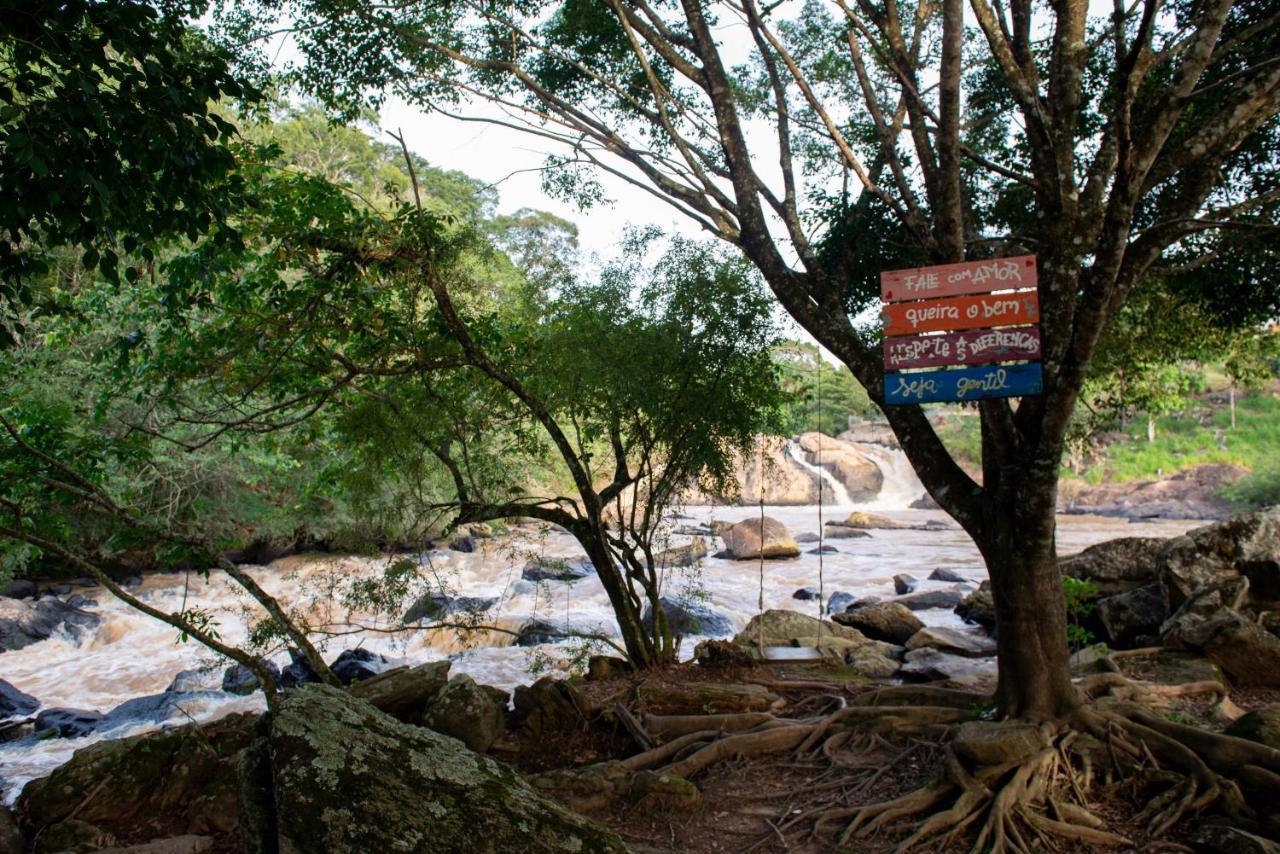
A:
x: 1008, y: 786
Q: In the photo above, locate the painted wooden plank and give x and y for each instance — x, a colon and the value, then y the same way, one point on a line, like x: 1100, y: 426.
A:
x: 976, y: 347
x: 962, y: 384
x: 951, y: 280
x: 957, y: 313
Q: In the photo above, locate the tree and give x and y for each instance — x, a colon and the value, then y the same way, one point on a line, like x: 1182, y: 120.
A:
x: 109, y: 134
x: 1101, y: 144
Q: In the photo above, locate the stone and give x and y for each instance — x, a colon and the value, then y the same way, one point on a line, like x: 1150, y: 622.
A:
x: 753, y: 538
x: 966, y: 644
x: 1189, y: 494
x: 861, y: 477
x: 19, y: 588
x: 932, y: 599
x: 859, y: 519
x: 429, y: 607
x: 549, y: 705
x: 1186, y: 628
x: 200, y: 679
x: 346, y: 778
x: 904, y: 584
x: 924, y: 502
x: 928, y: 664
x: 465, y: 543
x: 297, y: 672
x: 718, y: 653
x: 766, y: 471
x: 10, y: 836
x: 979, y: 607
x: 15, y: 703
x: 537, y: 632
x: 1248, y: 653
x: 839, y: 601
x: 1260, y: 725
x: 947, y: 576
x: 549, y: 569
x: 66, y: 723
x: 840, y: 532
x: 679, y: 556
x: 1117, y: 565
x: 353, y: 665
x: 156, y: 708
x: 1132, y: 617
x: 1246, y: 546
x: 23, y: 623
x: 238, y: 679
x: 1214, y: 838
x: 404, y: 692
x: 871, y: 661
x: 690, y: 618
x: 471, y: 713
x: 783, y: 628
x: 604, y: 667
x: 823, y: 550
x: 884, y: 621
x: 807, y: 537
x: 187, y: 774
x: 805, y: 594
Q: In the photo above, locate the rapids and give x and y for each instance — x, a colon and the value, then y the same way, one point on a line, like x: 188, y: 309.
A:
x: 131, y: 655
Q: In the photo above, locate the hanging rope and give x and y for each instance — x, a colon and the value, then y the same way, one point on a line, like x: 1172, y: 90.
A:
x: 821, y: 529
x: 760, y: 599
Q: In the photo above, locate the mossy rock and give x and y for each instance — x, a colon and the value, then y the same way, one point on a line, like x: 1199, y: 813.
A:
x: 348, y: 778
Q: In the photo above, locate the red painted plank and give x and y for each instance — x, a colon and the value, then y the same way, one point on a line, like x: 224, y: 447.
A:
x: 950, y: 280
x: 977, y: 347
x: 952, y: 315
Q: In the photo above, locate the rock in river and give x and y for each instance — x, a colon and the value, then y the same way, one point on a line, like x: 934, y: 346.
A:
x: 690, y: 618
x: 884, y: 621
x: 751, y: 538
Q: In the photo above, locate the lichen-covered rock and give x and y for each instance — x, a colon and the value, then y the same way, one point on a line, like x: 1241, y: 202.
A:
x: 752, y: 538
x: 884, y: 621
x: 347, y: 778
x: 1117, y: 565
x: 548, y: 705
x: 1246, y: 546
x: 186, y: 774
x: 474, y: 714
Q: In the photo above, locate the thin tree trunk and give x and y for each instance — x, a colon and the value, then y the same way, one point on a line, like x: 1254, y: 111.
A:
x: 635, y: 639
x: 1232, y: 398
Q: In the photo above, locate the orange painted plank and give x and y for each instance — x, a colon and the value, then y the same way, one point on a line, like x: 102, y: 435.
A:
x: 970, y: 312
x: 950, y: 280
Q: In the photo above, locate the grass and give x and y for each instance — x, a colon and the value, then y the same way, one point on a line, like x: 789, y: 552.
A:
x: 1184, y: 440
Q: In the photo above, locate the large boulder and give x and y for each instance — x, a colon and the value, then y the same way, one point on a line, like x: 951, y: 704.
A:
x: 782, y: 628
x: 549, y: 705
x: 1133, y: 617
x: 474, y: 714
x: 859, y: 519
x: 436, y: 606
x: 928, y: 664
x: 155, y: 708
x: 765, y: 472
x: 15, y: 703
x: 354, y: 665
x: 404, y: 692
x: 1117, y: 565
x: 23, y: 623
x: 187, y: 775
x: 1247, y: 546
x: 932, y: 599
x: 343, y: 777
x: 690, y: 618
x: 752, y: 538
x: 884, y: 621
x: 861, y: 477
x: 66, y: 723
x: 1188, y: 494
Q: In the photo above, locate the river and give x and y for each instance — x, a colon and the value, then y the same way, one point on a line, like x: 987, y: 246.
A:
x: 131, y: 655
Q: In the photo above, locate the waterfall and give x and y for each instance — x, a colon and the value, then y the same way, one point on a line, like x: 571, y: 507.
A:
x: 833, y: 491
x: 901, y: 486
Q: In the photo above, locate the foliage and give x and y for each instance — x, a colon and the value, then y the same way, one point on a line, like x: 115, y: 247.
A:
x: 108, y: 137
x: 1081, y: 597
x: 804, y: 372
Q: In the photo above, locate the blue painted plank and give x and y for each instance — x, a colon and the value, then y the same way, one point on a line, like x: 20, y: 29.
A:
x: 966, y: 384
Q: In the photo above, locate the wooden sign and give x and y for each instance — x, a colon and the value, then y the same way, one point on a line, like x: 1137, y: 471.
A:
x: 970, y: 312
x: 977, y: 347
x: 964, y: 384
x: 950, y: 280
